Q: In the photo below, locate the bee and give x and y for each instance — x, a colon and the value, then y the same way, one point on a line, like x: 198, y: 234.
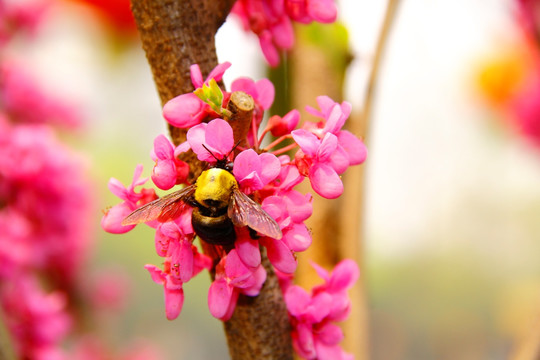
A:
x: 218, y: 206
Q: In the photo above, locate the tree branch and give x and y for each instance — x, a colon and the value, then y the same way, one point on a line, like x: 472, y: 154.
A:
x: 176, y: 34
x: 388, y: 22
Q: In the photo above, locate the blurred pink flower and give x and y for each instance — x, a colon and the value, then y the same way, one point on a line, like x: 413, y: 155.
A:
x: 269, y: 21
x: 46, y: 203
x: 306, y: 11
x: 25, y: 102
x: 37, y: 321
x: 272, y: 21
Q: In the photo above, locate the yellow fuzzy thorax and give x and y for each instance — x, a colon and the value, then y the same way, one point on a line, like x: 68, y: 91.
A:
x: 215, y: 184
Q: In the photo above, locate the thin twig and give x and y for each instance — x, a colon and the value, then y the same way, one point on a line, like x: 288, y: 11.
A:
x: 388, y: 21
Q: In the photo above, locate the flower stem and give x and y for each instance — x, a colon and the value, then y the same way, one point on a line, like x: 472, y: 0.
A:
x: 277, y: 141
x: 285, y: 149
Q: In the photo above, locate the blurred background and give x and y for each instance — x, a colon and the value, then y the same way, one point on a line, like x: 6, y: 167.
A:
x: 452, y: 195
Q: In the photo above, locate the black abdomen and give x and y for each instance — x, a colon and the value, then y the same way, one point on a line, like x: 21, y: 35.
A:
x: 218, y: 230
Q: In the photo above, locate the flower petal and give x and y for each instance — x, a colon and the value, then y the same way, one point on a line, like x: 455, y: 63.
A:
x: 345, y: 274
x: 325, y: 181
x: 266, y: 93
x: 196, y: 76
x: 111, y: 222
x: 248, y: 251
x: 328, y: 147
x: 220, y: 298
x: 219, y: 137
x: 297, y: 300
x: 330, y: 334
x: 174, y: 300
x: 280, y: 255
x: 218, y: 71
x: 184, y: 111
x: 163, y: 148
x: 196, y: 138
x: 270, y: 167
x: 353, y: 146
x: 307, y: 141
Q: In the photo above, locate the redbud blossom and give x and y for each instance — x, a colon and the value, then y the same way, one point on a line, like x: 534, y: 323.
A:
x: 168, y: 170
x: 217, y: 136
x: 253, y: 171
x: 315, y: 336
x: 111, y: 220
x: 280, y: 126
x: 271, y: 21
x: 325, y: 151
x: 187, y: 110
x: 233, y: 278
x: 321, y: 161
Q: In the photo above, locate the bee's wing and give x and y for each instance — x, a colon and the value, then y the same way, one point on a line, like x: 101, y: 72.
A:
x: 245, y: 212
x: 165, y: 208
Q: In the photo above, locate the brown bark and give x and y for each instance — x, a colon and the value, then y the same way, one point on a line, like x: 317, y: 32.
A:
x: 176, y: 34
x: 258, y: 320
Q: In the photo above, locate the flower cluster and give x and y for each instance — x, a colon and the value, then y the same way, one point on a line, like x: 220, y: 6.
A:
x: 313, y: 316
x: 323, y: 151
x: 272, y: 21
x: 45, y: 211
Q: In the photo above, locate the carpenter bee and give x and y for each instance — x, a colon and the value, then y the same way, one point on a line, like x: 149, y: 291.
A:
x: 218, y: 206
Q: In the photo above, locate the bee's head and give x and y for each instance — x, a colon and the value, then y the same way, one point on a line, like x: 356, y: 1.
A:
x: 224, y: 162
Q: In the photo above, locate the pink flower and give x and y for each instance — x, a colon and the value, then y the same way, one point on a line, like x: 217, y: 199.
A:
x: 172, y: 288
x: 168, y: 170
x: 216, y: 136
x: 525, y: 110
x: 322, y: 161
x: 216, y: 74
x: 268, y: 20
x: 271, y: 21
x: 306, y: 11
x: 290, y: 210
x: 280, y: 126
x: 233, y: 278
x: 38, y: 321
x: 182, y: 262
x: 187, y: 110
x: 334, y: 116
x: 253, y: 171
x: 46, y: 203
x: 111, y: 220
x: 315, y: 336
x: 26, y: 102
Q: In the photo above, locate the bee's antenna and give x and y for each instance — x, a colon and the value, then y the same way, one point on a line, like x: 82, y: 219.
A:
x: 234, y: 148
x: 211, y: 153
